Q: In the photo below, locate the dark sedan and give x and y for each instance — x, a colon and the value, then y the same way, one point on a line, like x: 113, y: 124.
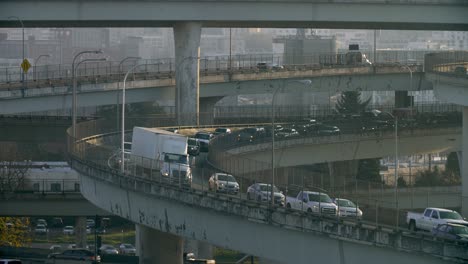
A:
x: 451, y: 231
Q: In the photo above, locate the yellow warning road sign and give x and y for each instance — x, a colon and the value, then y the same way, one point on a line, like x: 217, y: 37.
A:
x: 25, y: 65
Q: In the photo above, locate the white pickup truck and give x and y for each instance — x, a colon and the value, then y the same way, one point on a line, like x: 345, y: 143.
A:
x: 313, y: 202
x: 432, y: 217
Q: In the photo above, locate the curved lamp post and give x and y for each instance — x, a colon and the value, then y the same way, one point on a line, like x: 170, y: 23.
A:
x: 74, y: 87
x: 273, y: 165
x: 397, y: 161
x: 122, y: 163
x: 118, y: 84
x: 35, y: 63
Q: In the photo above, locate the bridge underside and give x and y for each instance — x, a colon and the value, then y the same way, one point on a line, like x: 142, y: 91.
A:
x: 451, y: 14
x: 308, y: 151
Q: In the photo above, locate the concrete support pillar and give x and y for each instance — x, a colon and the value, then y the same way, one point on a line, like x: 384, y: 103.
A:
x: 201, y: 250
x: 80, y: 232
x: 464, y: 166
x: 402, y: 99
x: 207, y: 104
x: 342, y: 172
x: 187, y: 56
x: 157, y: 247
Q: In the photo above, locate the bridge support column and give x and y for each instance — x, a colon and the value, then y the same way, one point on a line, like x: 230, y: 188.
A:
x: 464, y: 158
x: 187, y: 52
x: 402, y: 99
x: 80, y: 232
x: 207, y: 105
x: 154, y: 246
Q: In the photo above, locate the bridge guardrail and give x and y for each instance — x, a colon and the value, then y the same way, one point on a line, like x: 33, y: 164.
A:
x: 90, y: 155
x: 450, y: 63
x: 237, y: 62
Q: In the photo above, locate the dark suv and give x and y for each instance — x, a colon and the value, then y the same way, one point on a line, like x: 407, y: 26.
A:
x: 251, y: 133
x: 76, y: 254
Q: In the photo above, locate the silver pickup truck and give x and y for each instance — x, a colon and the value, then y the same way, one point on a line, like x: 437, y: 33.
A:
x: 432, y: 217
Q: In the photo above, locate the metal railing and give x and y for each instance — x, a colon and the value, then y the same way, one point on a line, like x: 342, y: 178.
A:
x: 90, y: 155
x: 44, y: 186
x: 208, y: 65
x: 451, y: 63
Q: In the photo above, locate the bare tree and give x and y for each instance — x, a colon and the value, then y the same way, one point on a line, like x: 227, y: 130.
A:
x: 13, y: 174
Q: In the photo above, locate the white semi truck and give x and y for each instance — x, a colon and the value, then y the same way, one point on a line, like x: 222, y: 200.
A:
x: 163, y: 150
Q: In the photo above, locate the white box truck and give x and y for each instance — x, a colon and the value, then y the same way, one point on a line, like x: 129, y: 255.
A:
x: 168, y: 150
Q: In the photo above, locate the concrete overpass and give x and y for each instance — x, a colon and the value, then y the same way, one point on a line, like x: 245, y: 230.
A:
x: 188, y: 17
x: 228, y: 222
x: 104, y: 89
x: 365, y: 14
x: 312, y: 150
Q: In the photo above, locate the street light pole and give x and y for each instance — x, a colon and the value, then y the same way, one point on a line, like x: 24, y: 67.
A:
x: 22, y: 26
x: 118, y: 85
x: 74, y: 103
x: 35, y: 63
x: 122, y: 136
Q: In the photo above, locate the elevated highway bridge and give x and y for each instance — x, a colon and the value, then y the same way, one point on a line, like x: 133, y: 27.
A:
x: 101, y: 83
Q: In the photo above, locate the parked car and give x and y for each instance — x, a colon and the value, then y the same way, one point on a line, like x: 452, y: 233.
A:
x: 347, y: 208
x: 432, y: 217
x: 193, y: 147
x: 262, y: 193
x: 312, y: 202
x: 204, y: 138
x: 251, y: 133
x: 127, y: 249
x: 55, y: 248
x: 451, y: 231
x: 222, y: 182
x: 41, y: 222
x: 68, y: 230
x: 222, y: 131
x: 41, y: 229
x: 57, y: 222
x: 90, y: 223
x: 100, y: 230
x: 109, y: 250
x: 76, y: 254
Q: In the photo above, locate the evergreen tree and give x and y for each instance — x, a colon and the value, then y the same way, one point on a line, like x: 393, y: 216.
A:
x: 369, y: 170
x: 452, y: 166
x: 350, y: 103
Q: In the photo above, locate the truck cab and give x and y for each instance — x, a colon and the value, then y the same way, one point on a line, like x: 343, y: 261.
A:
x: 177, y: 168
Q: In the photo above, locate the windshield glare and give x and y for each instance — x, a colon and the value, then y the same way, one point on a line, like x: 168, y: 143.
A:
x: 174, y: 158
x: 265, y: 188
x: 345, y: 203
x: 192, y: 142
x: 224, y: 177
x: 203, y: 136
x: 450, y: 215
x: 324, y: 198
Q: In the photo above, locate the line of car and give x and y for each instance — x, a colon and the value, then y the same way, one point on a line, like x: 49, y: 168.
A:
x: 307, y: 201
